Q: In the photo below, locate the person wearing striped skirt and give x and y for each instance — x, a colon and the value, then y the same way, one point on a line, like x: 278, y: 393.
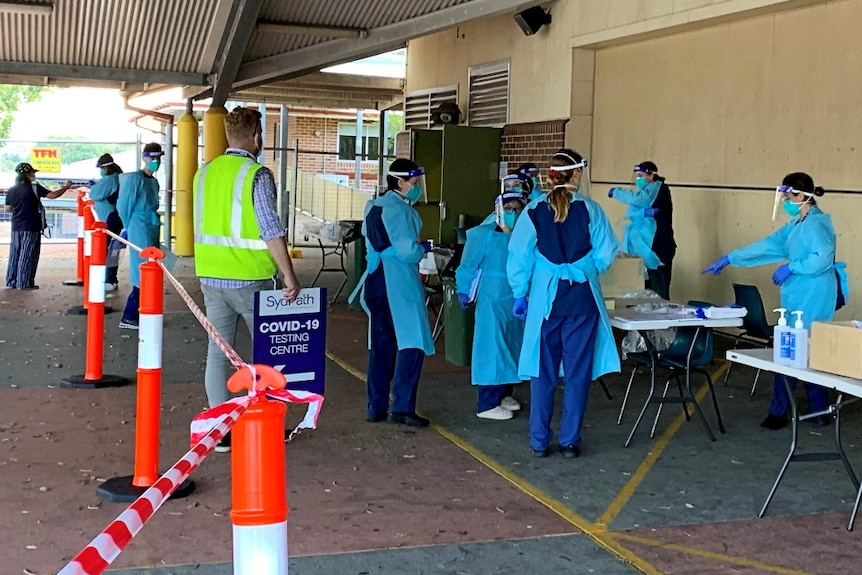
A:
x: 24, y: 201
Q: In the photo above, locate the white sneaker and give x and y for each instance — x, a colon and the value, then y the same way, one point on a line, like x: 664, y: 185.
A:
x: 110, y: 287
x: 510, y: 403
x: 497, y: 413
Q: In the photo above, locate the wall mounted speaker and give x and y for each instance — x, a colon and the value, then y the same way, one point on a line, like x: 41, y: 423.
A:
x: 531, y: 19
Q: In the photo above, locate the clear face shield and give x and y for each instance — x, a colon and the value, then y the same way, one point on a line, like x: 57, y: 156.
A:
x: 583, y: 185
x: 640, y: 178
x: 784, y: 201
x: 508, y: 207
x: 417, y: 193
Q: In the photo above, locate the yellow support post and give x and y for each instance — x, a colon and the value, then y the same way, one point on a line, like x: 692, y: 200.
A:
x: 215, y: 138
x: 187, y: 165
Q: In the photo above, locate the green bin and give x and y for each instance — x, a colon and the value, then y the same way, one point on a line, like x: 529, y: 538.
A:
x: 354, y: 249
x: 458, y: 334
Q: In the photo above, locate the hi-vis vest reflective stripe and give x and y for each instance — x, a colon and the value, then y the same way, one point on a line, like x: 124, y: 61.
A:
x: 227, y: 237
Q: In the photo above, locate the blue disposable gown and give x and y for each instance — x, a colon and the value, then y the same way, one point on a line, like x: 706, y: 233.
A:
x: 138, y: 206
x: 101, y: 191
x: 639, y: 232
x: 529, y: 271
x: 808, y: 247
x: 400, y: 263
x: 497, y: 335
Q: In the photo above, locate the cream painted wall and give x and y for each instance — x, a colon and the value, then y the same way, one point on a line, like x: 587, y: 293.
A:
x: 540, y: 71
x: 740, y: 104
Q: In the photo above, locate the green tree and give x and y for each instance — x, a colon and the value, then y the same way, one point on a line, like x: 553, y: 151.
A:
x: 11, y: 98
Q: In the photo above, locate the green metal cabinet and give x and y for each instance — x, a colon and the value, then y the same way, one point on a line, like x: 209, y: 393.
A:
x: 462, y: 170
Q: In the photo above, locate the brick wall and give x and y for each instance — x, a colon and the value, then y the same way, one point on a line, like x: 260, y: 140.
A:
x: 532, y: 142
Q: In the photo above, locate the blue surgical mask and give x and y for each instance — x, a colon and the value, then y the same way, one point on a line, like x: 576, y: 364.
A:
x: 413, y: 194
x: 791, y: 208
x: 640, y: 182
x: 103, y: 172
x: 536, y: 184
x: 509, y: 219
x: 153, y: 165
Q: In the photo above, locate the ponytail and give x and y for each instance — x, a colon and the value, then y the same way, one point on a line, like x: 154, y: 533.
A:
x: 559, y: 199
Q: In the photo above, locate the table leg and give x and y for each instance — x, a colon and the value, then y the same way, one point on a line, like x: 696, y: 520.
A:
x: 794, y: 423
x: 652, y: 357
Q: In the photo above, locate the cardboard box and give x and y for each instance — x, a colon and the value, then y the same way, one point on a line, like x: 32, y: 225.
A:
x: 626, y: 275
x: 836, y: 347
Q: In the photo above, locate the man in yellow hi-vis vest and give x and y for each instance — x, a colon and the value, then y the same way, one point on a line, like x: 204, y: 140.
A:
x: 239, y: 242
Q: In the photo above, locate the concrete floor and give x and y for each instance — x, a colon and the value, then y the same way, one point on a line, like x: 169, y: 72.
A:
x: 462, y: 497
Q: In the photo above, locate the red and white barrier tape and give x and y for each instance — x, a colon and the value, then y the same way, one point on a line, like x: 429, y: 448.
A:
x: 107, y: 546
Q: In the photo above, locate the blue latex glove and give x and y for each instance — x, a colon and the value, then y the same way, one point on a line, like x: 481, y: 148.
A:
x: 519, y: 310
x: 611, y: 193
x: 651, y: 212
x: 91, y: 183
x: 426, y: 246
x: 781, y: 274
x: 715, y: 267
x: 463, y: 300
x: 124, y: 234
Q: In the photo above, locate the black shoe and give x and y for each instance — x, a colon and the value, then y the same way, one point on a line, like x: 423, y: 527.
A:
x: 223, y: 446
x: 774, y: 422
x: 410, y: 419
x: 570, y: 451
x: 540, y: 452
x: 376, y: 418
x: 30, y: 287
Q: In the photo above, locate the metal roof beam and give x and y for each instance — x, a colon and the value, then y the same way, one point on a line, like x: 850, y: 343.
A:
x: 101, y: 74
x: 378, y: 40
x: 235, y: 43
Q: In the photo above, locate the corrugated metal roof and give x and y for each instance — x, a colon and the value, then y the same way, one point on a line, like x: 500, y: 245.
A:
x: 217, y: 45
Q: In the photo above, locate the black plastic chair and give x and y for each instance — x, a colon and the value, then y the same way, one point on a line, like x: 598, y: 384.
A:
x: 754, y: 324
x: 690, y: 351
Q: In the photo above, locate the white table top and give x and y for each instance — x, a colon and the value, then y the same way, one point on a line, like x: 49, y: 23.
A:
x: 629, y: 320
x: 762, y: 359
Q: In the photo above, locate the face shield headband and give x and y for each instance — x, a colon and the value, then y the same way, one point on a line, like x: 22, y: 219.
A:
x: 554, y: 171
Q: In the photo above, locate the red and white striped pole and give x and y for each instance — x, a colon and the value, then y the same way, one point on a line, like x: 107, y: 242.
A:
x: 147, y: 417
x: 79, y: 280
x: 259, y: 483
x: 93, y: 376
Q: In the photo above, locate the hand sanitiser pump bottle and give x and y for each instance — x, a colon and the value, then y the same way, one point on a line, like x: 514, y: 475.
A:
x: 778, y: 337
x: 799, y: 351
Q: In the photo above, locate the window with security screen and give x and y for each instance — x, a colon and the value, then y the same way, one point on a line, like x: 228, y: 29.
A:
x: 488, y: 103
x: 418, y: 105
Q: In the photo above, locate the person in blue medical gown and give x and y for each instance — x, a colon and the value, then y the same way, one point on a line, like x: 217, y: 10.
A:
x: 560, y: 245
x: 810, y: 280
x: 516, y: 182
x: 392, y: 295
x: 105, y: 193
x: 497, y: 334
x: 138, y: 204
x: 641, y: 236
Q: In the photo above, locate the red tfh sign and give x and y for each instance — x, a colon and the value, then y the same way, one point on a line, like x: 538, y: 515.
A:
x: 39, y: 153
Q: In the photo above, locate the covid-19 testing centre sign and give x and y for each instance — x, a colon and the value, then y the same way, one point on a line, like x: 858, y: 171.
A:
x: 291, y: 336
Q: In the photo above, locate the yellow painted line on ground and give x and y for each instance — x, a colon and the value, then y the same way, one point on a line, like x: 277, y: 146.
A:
x: 655, y: 452
x: 739, y: 561
x: 346, y: 366
x: 596, y: 533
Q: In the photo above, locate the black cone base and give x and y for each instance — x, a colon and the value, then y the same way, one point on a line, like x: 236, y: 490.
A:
x: 73, y: 283
x: 78, y: 382
x: 81, y: 310
x: 121, y: 490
